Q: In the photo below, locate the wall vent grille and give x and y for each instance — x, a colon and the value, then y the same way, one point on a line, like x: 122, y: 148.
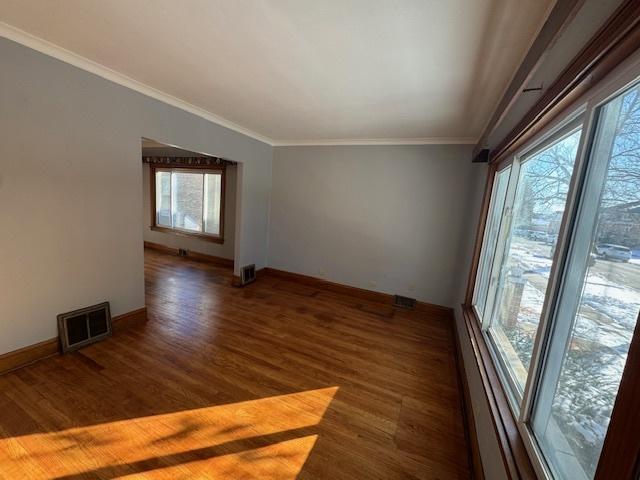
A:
x: 404, y: 302
x: 247, y: 274
x: 84, y: 326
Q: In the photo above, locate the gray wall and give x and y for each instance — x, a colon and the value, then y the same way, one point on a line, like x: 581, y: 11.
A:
x: 224, y: 250
x: 383, y: 218
x: 70, y: 196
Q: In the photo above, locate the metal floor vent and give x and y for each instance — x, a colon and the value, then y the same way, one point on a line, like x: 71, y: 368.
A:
x: 247, y: 274
x: 404, y: 302
x: 84, y: 326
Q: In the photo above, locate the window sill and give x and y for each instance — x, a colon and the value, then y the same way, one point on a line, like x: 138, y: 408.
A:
x: 514, y: 454
x: 182, y: 233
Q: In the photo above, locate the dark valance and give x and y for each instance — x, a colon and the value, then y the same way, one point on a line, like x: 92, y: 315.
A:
x: 187, y: 161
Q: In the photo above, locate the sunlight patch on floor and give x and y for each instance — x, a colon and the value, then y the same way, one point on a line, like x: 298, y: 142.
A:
x: 264, y: 438
x: 282, y: 461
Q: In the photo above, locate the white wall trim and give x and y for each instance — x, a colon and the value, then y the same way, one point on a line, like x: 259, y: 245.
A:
x: 379, y: 141
x: 44, y: 46
x: 67, y: 56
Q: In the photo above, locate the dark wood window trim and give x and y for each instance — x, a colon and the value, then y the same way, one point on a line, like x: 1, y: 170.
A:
x: 514, y: 453
x: 620, y: 457
x: 183, y: 233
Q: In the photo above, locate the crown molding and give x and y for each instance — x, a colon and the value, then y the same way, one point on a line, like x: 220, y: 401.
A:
x: 44, y: 46
x: 379, y: 141
x: 60, y: 53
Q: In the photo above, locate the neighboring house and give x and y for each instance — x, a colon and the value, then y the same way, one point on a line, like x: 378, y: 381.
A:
x: 620, y: 224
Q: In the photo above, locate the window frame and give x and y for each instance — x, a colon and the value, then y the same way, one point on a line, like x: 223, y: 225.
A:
x: 485, y: 239
x: 209, y: 237
x: 553, y: 133
x: 513, y: 427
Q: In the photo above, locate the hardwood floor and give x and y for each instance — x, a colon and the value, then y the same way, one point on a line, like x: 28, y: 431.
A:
x: 276, y: 380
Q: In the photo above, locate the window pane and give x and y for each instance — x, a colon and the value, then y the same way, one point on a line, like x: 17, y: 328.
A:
x: 600, y: 303
x: 163, y: 199
x: 212, y: 196
x: 186, y: 201
x: 532, y: 229
x: 490, y: 238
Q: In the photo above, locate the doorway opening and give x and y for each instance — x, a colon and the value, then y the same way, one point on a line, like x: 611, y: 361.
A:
x: 189, y: 206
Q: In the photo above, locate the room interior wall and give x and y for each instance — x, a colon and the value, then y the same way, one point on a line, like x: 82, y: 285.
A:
x: 382, y: 218
x: 224, y: 250
x: 70, y: 196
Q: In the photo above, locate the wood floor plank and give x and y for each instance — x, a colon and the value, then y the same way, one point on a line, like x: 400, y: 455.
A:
x: 276, y: 380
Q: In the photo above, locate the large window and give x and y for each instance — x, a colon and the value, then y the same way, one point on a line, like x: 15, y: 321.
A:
x: 557, y: 292
x: 600, y: 300
x: 532, y: 218
x: 189, y: 201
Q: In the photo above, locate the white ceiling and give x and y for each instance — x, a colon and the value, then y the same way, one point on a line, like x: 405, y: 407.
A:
x: 299, y: 71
